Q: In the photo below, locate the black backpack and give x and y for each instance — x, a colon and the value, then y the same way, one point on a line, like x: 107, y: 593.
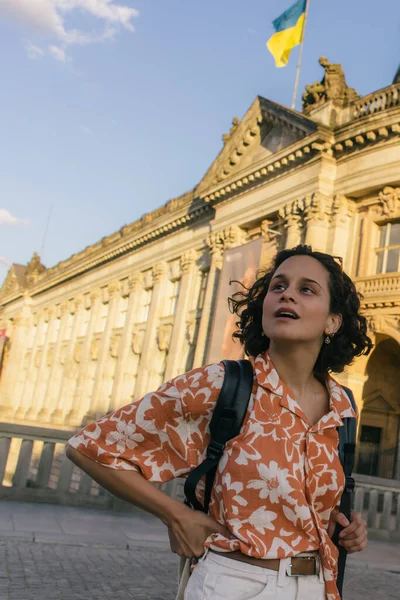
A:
x: 226, y: 422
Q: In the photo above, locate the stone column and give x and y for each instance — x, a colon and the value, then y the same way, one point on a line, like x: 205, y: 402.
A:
x: 217, y: 242
x: 355, y: 378
x: 188, y: 274
x: 160, y: 271
x: 69, y: 372
x: 9, y: 380
x: 317, y: 209
x: 292, y: 221
x: 26, y: 397
x: 53, y: 358
x: 100, y: 399
x: 134, y: 288
x: 271, y: 240
x: 342, y: 212
x: 43, y: 370
x: 74, y: 417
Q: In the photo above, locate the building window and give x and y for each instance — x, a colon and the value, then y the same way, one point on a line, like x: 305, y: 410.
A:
x: 144, y: 308
x: 202, y: 291
x: 388, y: 252
x: 123, y: 307
x: 171, y: 298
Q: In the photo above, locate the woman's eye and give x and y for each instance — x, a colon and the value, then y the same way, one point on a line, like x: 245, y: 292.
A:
x: 308, y: 289
x: 280, y: 285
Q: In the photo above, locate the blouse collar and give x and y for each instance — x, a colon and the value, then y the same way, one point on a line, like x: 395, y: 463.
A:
x: 339, y: 402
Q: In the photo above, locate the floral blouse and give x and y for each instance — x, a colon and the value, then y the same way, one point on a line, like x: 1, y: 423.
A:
x: 278, y: 480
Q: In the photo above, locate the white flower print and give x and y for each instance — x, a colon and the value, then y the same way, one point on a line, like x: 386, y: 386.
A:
x: 273, y: 483
x: 124, y: 436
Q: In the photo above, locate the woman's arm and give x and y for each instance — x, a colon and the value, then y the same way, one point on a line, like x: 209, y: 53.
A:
x: 189, y: 528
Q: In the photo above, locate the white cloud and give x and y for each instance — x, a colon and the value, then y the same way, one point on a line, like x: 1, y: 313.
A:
x: 6, y: 218
x: 34, y: 52
x: 48, y: 17
x: 58, y: 53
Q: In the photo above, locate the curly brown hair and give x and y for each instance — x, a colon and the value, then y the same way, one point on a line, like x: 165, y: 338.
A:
x: 350, y: 341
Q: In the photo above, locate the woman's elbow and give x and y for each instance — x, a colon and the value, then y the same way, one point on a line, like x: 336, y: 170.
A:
x: 71, y: 453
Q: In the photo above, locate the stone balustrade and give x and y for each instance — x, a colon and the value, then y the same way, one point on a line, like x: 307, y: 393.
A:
x: 34, y: 468
x: 378, y: 499
x: 377, y: 102
x: 378, y: 285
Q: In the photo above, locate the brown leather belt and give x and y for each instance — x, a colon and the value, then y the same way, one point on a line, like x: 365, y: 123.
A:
x: 300, y: 565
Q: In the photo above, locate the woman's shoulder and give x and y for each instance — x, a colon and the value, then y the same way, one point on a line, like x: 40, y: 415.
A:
x: 208, y: 376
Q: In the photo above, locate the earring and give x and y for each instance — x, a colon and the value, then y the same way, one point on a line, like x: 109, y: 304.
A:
x: 328, y: 339
x: 262, y: 334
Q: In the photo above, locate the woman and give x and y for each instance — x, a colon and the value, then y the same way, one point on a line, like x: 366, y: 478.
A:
x: 279, y: 482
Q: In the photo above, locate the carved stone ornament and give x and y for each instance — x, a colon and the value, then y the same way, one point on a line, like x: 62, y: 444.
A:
x: 380, y: 323
x: 291, y: 214
x: 164, y: 336
x: 95, y: 349
x: 63, y: 353
x: 267, y: 231
x: 137, y: 341
x: 160, y: 270
x: 114, y: 344
x: 34, y: 269
x: 27, y: 358
x: 49, y: 357
x: 235, y: 124
x: 332, y: 87
x: 38, y: 357
x: 317, y: 207
x: 187, y: 260
x: 390, y: 201
x: 78, y: 352
x: 191, y: 330
x: 342, y: 208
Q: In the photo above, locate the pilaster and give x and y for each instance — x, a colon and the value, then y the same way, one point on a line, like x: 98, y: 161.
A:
x: 160, y: 271
x: 134, y: 289
x: 188, y: 273
x: 100, y: 396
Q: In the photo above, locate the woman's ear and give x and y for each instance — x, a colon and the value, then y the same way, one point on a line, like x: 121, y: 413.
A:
x: 334, y: 324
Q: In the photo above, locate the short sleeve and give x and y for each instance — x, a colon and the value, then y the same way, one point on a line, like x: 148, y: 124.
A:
x: 164, y: 435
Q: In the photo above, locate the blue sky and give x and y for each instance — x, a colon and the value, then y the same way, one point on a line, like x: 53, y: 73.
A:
x: 106, y: 113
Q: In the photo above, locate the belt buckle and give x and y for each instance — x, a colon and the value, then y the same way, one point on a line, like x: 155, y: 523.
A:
x: 306, y: 558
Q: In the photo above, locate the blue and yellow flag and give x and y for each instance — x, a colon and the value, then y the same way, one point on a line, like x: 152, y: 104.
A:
x: 288, y: 32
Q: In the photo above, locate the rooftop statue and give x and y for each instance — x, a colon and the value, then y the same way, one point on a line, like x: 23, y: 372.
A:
x: 332, y: 87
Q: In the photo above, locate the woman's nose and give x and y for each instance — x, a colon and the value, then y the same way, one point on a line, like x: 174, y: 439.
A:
x: 287, y: 296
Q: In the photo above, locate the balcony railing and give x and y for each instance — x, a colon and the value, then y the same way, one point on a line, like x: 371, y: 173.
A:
x: 377, y: 102
x: 379, y: 285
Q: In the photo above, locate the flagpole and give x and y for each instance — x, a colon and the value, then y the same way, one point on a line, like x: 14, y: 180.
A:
x: 296, y: 83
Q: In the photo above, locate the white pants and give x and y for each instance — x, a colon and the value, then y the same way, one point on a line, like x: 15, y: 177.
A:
x: 216, y: 577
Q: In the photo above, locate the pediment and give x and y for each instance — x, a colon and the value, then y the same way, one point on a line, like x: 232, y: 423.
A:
x: 14, y: 281
x: 377, y: 403
x: 266, y: 128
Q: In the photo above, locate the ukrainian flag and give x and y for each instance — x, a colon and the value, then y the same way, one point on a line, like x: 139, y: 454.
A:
x: 288, y: 32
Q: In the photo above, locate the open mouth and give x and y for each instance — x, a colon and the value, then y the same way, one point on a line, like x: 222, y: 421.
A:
x: 286, y: 314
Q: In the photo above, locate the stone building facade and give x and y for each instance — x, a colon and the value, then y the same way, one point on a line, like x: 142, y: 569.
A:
x: 112, y: 322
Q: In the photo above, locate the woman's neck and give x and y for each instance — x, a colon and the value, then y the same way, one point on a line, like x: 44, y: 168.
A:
x: 295, y: 366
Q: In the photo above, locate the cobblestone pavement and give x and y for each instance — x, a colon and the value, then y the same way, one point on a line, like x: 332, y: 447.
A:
x: 54, y: 571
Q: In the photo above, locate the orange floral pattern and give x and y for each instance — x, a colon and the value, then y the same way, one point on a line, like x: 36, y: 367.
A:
x: 278, y: 480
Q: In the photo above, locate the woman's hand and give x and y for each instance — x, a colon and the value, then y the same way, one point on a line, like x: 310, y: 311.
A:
x: 189, y: 531
x: 354, y: 535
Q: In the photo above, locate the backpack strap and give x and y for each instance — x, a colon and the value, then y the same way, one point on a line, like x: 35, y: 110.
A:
x: 226, y: 422
x: 347, y: 448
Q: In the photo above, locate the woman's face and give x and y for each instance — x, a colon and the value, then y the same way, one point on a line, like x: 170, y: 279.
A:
x: 296, y: 307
